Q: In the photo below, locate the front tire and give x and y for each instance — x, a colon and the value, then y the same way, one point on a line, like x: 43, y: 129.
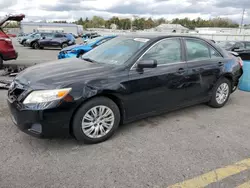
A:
x: 35, y: 45
x: 96, y: 120
x: 64, y: 45
x: 80, y: 54
x: 221, y: 93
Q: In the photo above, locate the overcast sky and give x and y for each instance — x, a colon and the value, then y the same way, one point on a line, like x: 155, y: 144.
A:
x: 74, y: 9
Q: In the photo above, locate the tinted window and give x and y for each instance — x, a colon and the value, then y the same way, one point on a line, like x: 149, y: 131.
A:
x: 58, y: 35
x: 116, y: 51
x: 239, y: 45
x: 247, y: 45
x: 226, y: 44
x: 197, y: 50
x: 165, y: 51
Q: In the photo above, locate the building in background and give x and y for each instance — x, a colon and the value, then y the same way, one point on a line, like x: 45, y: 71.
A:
x: 169, y: 28
x: 28, y: 27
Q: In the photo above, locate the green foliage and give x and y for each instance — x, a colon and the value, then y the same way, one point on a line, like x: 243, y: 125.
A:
x: 142, y: 23
x: 145, y: 23
x: 215, y: 22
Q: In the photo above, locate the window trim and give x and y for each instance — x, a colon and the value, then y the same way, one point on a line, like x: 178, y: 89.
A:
x: 209, y: 46
x: 133, y: 67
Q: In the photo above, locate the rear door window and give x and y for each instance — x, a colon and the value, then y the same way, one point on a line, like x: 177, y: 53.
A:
x: 197, y: 50
x: 59, y: 35
x: 214, y: 53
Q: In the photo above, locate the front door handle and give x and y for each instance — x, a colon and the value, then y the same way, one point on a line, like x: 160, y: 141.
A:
x: 181, y: 71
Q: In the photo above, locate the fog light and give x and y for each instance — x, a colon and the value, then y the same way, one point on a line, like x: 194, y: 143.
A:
x: 36, y: 128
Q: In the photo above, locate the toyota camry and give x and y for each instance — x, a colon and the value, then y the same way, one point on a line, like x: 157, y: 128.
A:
x: 125, y: 79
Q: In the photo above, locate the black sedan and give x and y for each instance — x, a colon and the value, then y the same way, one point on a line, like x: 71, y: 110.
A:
x: 242, y: 48
x: 125, y: 79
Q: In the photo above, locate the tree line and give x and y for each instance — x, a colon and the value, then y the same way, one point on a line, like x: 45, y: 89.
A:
x: 145, y: 23
x: 148, y: 23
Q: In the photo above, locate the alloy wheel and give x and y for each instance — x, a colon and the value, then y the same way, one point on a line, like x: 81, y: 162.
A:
x: 222, y: 93
x: 98, y: 121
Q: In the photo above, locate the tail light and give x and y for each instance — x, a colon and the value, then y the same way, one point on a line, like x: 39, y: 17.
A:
x: 240, y: 62
x: 5, y: 39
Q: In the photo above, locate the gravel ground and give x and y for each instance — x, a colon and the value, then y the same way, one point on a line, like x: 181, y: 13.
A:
x: 154, y: 152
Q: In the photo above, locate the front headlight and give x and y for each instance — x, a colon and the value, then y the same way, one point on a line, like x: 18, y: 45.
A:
x: 43, y: 96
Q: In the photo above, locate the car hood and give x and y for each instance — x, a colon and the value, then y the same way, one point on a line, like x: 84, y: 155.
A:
x: 61, y: 73
x: 76, y: 47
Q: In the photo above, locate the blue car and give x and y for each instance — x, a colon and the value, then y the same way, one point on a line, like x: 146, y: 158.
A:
x: 79, y: 49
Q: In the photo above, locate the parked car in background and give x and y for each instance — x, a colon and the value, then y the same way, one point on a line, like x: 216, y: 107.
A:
x: 87, y: 36
x: 57, y: 40
x: 125, y: 79
x: 242, y: 48
x: 21, y: 34
x: 23, y: 39
x: 34, y: 41
x: 78, y: 50
x: 7, y: 51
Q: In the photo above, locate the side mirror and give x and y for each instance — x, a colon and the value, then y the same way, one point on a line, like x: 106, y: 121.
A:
x: 151, y: 63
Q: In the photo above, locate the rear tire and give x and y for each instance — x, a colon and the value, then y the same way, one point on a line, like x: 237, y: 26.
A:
x: 104, y: 122
x: 23, y: 42
x: 64, y: 45
x: 35, y: 45
x: 220, y: 93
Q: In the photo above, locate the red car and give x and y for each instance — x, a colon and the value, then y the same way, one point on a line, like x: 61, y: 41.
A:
x: 7, y: 51
x: 11, y: 35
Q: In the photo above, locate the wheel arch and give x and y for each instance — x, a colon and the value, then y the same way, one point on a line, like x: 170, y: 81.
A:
x: 228, y: 76
x: 110, y: 96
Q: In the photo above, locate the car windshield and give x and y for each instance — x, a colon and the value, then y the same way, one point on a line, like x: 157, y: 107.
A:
x: 90, y: 41
x: 116, y: 51
x: 226, y: 44
x: 32, y: 35
x: 37, y: 36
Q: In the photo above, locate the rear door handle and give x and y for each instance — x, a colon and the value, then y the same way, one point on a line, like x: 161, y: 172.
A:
x: 181, y: 71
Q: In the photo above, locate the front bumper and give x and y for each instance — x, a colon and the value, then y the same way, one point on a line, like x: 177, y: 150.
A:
x: 63, y: 55
x: 46, y: 123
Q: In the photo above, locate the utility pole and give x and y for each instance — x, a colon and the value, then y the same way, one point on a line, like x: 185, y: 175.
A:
x: 242, y: 19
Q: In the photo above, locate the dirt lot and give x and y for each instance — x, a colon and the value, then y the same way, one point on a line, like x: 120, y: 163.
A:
x: 197, y: 142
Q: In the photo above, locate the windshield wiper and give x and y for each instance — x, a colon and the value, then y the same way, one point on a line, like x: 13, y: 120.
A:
x: 89, y: 60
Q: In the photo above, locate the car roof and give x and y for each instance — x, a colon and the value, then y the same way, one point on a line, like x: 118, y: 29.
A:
x: 159, y: 36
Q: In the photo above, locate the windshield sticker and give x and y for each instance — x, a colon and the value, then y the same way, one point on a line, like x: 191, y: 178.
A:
x: 141, y: 39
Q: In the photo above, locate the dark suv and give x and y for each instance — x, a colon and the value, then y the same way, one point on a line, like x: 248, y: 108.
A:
x: 33, y: 41
x: 58, y: 40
